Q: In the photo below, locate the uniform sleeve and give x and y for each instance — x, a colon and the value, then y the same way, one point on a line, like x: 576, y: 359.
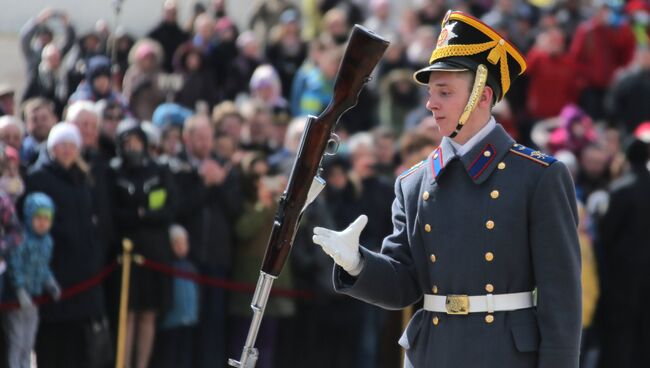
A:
x: 556, y: 261
x: 388, y: 279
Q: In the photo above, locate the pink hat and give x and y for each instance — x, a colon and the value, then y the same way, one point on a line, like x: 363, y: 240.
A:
x: 642, y: 132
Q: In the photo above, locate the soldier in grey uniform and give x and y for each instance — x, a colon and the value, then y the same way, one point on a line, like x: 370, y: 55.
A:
x: 484, y: 229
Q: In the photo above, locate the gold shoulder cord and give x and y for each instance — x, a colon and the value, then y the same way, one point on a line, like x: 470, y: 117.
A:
x: 477, y: 90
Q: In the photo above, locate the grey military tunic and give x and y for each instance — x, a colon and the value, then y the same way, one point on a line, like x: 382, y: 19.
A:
x: 500, y: 219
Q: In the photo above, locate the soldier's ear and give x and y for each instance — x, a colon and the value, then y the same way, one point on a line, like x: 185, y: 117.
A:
x: 487, y: 97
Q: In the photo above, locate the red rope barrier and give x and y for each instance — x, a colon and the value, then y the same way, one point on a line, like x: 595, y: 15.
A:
x: 69, y: 292
x: 220, y: 283
x: 162, y: 268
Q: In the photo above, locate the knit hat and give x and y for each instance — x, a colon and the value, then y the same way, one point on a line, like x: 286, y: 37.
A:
x: 64, y: 133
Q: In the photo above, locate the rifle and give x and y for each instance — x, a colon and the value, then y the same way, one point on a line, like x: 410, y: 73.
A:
x: 362, y: 54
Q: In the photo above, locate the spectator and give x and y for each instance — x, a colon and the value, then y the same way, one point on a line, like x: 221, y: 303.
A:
x: 626, y: 104
x: 29, y: 273
x: 110, y: 114
x: 141, y: 86
x: 431, y: 12
x: 74, y: 332
x: 39, y: 119
x: 119, y: 49
x: 266, y: 87
x: 49, y: 80
x: 211, y: 203
x: 265, y: 14
x: 408, y: 24
x: 282, y: 161
x: 98, y: 84
x: 83, y: 114
x: 12, y: 131
x: 257, y: 128
x: 317, y: 48
x: 226, y: 34
x: 286, y: 50
x: 380, y: 20
x: 359, y: 196
x: 252, y: 231
x: 89, y: 45
x: 386, y: 153
x: 11, y: 180
x: 227, y: 122
x: 169, y: 118
x: 169, y: 34
x: 550, y: 68
x: 337, y: 25
x: 415, y: 146
x: 605, y: 31
x: 7, y: 101
x: 417, y: 52
x: 204, y: 37
x: 144, y: 196
x: 176, y: 330
x: 398, y: 96
x: 574, y: 133
x: 198, y: 81
x: 243, y: 65
x: 12, y: 235
x: 394, y: 58
x: 36, y: 34
x: 625, y: 259
x: 593, y: 175
x: 319, y: 83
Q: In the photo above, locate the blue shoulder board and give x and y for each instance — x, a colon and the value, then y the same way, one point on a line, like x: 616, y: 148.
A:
x: 411, y: 170
x: 531, y: 154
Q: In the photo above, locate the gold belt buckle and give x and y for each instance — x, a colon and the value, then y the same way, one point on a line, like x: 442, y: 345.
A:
x: 457, y: 304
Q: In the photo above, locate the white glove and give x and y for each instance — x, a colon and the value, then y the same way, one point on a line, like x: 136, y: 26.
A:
x: 343, y: 246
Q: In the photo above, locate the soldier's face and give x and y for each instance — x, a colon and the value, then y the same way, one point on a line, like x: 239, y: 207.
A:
x: 448, y: 95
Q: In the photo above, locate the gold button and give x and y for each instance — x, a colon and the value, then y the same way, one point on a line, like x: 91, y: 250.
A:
x: 489, y: 224
x: 489, y: 256
x: 501, y: 165
x: 489, y: 318
x: 436, y: 320
x: 494, y: 194
x: 425, y: 195
x: 435, y: 155
x: 434, y: 289
x: 489, y: 288
x: 427, y: 228
x: 433, y: 258
x: 487, y: 154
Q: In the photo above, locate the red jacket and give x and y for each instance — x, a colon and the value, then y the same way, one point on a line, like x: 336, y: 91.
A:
x: 599, y: 49
x: 551, y: 83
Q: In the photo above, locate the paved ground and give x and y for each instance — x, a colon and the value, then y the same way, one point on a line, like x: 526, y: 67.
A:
x: 12, y: 65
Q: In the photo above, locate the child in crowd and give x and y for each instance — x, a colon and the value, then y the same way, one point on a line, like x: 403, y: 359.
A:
x: 10, y: 234
x: 29, y: 275
x: 174, y: 340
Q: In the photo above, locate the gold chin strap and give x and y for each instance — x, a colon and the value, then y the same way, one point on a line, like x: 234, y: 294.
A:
x: 477, y: 90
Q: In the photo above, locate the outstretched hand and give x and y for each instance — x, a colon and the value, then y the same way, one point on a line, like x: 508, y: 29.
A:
x: 343, y: 246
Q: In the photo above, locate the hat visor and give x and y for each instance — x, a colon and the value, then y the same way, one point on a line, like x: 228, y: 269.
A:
x: 422, y: 75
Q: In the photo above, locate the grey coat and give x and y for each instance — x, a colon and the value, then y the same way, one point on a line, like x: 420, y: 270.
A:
x: 442, y: 243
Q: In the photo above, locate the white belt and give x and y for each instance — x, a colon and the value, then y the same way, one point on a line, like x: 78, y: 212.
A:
x: 463, y: 304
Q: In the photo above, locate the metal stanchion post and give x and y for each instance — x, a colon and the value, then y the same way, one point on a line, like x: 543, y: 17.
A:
x: 127, y: 246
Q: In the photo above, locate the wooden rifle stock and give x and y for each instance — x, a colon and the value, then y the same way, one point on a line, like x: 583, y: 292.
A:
x: 363, y: 52
x: 361, y: 55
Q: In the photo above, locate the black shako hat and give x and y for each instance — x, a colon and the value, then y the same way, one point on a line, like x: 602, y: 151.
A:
x: 464, y: 43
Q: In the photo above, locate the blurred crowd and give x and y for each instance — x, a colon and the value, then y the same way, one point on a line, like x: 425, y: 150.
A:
x: 182, y: 140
